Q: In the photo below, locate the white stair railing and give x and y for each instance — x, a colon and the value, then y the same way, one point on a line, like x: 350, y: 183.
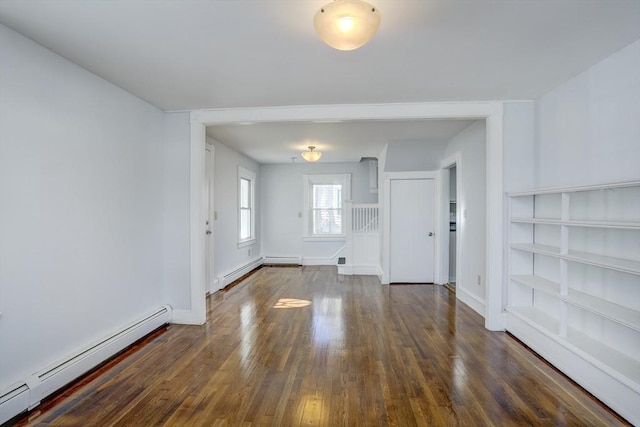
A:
x: 364, y: 218
x: 362, y: 246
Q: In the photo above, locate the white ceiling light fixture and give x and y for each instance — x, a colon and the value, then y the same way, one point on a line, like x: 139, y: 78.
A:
x: 347, y: 24
x: 311, y: 156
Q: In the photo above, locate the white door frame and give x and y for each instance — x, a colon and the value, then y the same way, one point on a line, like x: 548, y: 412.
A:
x: 210, y: 174
x: 492, y: 112
x: 386, y: 214
x: 445, y: 165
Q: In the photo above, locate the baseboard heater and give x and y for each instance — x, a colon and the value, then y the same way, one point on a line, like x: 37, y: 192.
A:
x: 283, y: 260
x: 240, y: 271
x: 27, y: 394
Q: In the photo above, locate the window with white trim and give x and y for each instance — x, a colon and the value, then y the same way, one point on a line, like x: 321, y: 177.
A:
x: 324, y: 197
x: 246, y: 207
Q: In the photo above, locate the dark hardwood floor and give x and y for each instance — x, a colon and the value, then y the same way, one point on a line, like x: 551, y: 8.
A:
x: 304, y: 346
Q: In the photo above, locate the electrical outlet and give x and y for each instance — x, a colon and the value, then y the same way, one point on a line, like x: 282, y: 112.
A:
x: 299, y: 214
x: 249, y: 254
x: 479, y: 279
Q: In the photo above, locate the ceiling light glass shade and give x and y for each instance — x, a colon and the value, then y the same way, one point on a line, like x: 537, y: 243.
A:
x: 311, y: 156
x: 347, y: 24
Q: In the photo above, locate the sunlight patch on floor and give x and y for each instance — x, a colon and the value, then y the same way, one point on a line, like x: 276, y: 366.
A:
x: 291, y: 303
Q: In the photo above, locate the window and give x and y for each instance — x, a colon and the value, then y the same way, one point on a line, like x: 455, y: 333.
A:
x: 324, y: 204
x: 246, y: 209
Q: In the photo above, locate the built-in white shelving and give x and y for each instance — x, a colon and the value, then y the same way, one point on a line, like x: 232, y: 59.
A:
x: 536, y: 318
x: 614, y: 312
x: 538, y: 283
x: 574, y: 285
x: 621, y: 264
x: 595, y: 224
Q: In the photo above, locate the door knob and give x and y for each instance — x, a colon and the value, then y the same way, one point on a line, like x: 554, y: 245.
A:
x: 430, y: 234
x: 208, y: 231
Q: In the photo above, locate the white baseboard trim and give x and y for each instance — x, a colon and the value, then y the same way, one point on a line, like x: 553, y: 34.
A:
x: 330, y: 260
x: 616, y: 394
x: 282, y: 260
x: 318, y: 261
x: 473, y: 301
x: 363, y: 270
x: 185, y: 317
x: 27, y: 394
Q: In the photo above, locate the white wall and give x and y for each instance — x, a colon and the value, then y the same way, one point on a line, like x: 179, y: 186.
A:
x: 176, y: 277
x: 588, y: 129
x: 414, y: 155
x: 228, y: 257
x: 80, y: 207
x: 519, y: 146
x: 281, y: 201
x: 471, y: 197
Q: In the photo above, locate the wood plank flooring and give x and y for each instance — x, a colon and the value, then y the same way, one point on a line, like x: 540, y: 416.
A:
x: 305, y: 346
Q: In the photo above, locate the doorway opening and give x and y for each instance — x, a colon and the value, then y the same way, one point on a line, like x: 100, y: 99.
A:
x: 492, y: 303
x: 453, y: 222
x: 209, y: 218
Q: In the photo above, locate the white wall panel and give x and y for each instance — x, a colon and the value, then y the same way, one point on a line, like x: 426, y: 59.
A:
x: 80, y: 207
x: 471, y: 204
x: 588, y: 129
x: 282, y: 201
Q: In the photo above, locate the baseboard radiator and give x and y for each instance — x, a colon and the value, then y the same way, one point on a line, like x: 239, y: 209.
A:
x: 27, y: 394
x: 240, y: 271
x: 283, y: 260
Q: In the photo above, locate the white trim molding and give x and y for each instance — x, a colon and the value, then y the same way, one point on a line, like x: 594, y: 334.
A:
x: 197, y: 225
x: 495, y: 287
x: 362, y: 270
x: 329, y: 260
x: 473, y: 301
x: 491, y: 111
x: 444, y: 273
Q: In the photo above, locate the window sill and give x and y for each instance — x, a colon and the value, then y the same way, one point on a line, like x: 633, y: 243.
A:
x: 246, y: 243
x: 336, y: 238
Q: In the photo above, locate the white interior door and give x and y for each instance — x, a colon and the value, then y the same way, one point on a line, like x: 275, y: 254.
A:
x: 411, y: 239
x: 208, y: 196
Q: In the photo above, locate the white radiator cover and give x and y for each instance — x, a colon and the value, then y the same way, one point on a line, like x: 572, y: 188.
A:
x: 239, y: 272
x: 27, y: 394
x: 283, y: 260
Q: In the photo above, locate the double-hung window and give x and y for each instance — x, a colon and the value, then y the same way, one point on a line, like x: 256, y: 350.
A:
x: 246, y: 208
x: 324, y: 197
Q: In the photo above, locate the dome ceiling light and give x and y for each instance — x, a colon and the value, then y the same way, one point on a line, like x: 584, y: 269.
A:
x: 311, y: 156
x: 347, y: 24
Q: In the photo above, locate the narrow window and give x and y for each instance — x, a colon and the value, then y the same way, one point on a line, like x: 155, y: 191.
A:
x: 246, y: 209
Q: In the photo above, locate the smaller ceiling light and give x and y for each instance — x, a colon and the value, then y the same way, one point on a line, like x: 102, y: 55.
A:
x: 347, y: 24
x: 311, y: 156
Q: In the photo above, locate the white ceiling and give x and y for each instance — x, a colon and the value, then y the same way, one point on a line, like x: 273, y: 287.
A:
x: 182, y: 55
x: 339, y: 142
x: 241, y: 53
